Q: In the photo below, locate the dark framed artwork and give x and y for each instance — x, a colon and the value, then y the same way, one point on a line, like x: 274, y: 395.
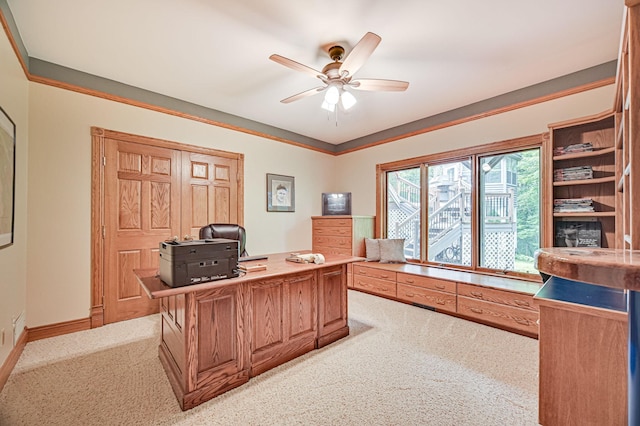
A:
x: 281, y: 193
x: 7, y: 178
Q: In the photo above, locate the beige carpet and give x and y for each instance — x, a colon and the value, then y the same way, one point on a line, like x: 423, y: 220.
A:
x: 401, y: 365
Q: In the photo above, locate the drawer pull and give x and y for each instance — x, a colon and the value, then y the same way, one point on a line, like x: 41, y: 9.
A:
x: 521, y: 302
x: 440, y: 286
x: 441, y: 302
x: 476, y: 310
x: 476, y: 294
x: 384, y: 276
x: 409, y: 280
x: 522, y: 321
x: 410, y: 295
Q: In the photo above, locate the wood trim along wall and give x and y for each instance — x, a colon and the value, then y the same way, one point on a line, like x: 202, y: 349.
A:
x: 12, y: 359
x: 338, y: 151
x: 496, y: 111
x: 52, y: 330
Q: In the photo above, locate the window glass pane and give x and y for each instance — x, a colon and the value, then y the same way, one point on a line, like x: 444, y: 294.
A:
x: 510, y: 211
x: 403, y: 209
x: 449, y: 216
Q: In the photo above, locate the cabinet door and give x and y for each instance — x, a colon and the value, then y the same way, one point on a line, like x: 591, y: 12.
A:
x: 283, y: 315
x: 216, y: 337
x: 332, y: 305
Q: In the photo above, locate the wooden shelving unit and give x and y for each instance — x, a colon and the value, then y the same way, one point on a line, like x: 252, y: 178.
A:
x: 599, y: 130
x: 627, y: 143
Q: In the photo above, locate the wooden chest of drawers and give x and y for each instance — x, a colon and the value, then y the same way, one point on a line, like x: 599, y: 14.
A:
x: 341, y: 234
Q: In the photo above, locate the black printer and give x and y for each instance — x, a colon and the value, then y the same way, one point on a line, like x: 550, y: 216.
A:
x: 197, y: 261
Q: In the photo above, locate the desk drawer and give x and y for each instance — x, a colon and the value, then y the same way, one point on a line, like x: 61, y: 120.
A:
x: 517, y: 300
x: 427, y: 282
x: 374, y: 272
x: 435, y: 299
x: 519, y: 319
x: 374, y: 285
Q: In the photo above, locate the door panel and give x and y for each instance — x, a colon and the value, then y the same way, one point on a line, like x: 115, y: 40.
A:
x: 209, y: 191
x: 142, y: 208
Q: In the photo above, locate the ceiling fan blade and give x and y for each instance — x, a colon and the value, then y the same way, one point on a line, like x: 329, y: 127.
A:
x: 304, y: 94
x: 297, y: 66
x: 378, y: 84
x: 360, y: 53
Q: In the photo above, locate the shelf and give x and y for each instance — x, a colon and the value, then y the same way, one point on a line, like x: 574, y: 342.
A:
x: 586, y: 154
x: 585, y: 214
x: 585, y: 181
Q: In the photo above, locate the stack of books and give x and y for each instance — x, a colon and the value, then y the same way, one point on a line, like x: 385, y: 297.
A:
x: 571, y: 149
x: 573, y: 205
x: 573, y: 173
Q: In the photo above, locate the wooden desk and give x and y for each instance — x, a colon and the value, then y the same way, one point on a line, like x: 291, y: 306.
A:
x: 217, y: 335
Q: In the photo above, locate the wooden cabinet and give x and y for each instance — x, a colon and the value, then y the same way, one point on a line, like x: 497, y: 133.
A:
x: 501, y: 302
x: 341, y: 234
x: 583, y: 354
x: 589, y: 143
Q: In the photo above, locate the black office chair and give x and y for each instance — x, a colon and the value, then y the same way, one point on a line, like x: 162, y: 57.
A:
x: 226, y: 230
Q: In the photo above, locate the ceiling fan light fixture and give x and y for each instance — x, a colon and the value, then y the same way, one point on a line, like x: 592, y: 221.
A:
x: 333, y: 95
x: 347, y: 99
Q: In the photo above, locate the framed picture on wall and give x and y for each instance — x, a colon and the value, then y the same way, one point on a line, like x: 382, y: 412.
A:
x: 7, y: 178
x: 281, y: 193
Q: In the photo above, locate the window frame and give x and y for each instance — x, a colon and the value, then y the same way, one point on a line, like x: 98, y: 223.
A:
x: 538, y: 141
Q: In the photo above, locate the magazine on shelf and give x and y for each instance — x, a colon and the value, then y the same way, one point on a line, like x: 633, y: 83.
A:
x: 578, y: 233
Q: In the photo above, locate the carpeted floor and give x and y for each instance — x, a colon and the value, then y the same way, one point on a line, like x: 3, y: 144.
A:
x: 401, y: 365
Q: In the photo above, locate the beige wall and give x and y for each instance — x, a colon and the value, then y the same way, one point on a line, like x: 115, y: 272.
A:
x: 13, y: 282
x: 357, y: 171
x: 59, y: 190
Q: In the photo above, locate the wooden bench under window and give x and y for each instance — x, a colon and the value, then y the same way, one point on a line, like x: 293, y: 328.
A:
x: 502, y: 302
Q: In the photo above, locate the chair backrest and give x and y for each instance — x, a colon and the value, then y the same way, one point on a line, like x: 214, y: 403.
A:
x: 226, y: 230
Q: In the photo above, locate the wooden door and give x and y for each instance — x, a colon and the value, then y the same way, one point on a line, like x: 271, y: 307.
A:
x: 141, y: 209
x: 209, y: 192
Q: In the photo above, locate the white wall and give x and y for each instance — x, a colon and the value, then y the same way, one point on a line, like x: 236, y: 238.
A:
x: 13, y: 282
x: 60, y: 198
x: 357, y: 170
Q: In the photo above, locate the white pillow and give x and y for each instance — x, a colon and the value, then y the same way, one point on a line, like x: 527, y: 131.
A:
x: 392, y: 250
x: 372, y: 249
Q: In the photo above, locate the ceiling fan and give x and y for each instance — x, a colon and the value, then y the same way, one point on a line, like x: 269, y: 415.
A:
x: 337, y: 75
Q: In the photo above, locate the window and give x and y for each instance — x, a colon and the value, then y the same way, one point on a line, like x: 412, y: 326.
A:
x: 449, y: 215
x: 403, y: 209
x: 479, y: 208
x: 510, y: 214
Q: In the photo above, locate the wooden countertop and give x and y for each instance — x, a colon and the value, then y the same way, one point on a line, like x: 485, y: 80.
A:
x: 607, y: 267
x: 276, y: 266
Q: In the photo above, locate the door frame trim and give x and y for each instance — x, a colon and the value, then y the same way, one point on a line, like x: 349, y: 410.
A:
x: 98, y: 137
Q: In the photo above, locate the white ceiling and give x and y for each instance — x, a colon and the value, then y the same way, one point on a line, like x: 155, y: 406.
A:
x: 215, y: 53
